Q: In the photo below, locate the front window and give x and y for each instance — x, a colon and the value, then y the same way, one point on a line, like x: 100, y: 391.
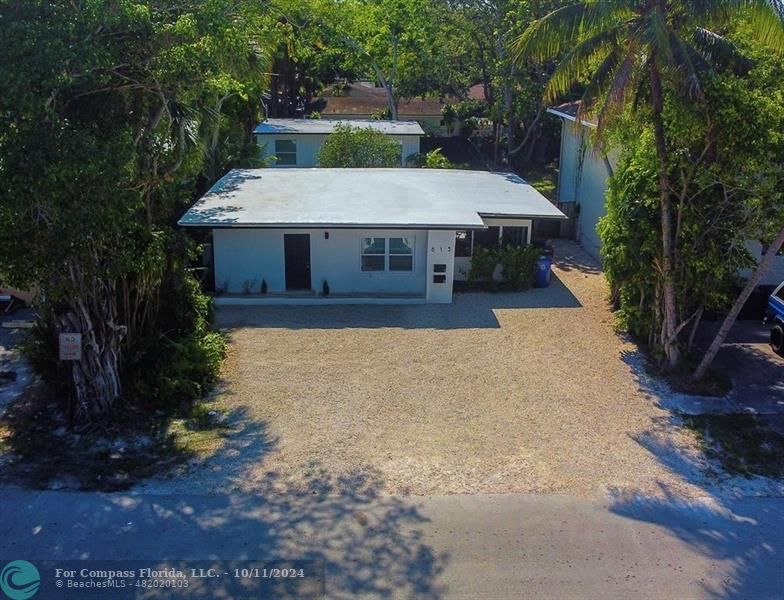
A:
x: 387, y: 254
x: 401, y: 254
x: 373, y: 253
x: 286, y: 152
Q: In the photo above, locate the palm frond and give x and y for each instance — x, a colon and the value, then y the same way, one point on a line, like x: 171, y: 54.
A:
x: 767, y: 20
x: 617, y: 91
x: 718, y: 51
x: 600, y: 82
x: 578, y: 61
x: 552, y: 35
x: 688, y: 65
x: 765, y: 16
x: 657, y: 36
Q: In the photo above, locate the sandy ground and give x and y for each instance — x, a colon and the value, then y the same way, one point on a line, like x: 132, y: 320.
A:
x: 496, y: 393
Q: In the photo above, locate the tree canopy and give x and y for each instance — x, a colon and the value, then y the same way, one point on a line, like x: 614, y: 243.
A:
x: 110, y: 116
x: 349, y: 147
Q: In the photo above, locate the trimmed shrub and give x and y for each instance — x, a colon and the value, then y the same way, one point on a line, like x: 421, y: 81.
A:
x: 483, y: 264
x: 518, y: 265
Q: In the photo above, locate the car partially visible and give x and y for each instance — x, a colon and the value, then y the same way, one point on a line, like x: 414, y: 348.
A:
x: 774, y: 316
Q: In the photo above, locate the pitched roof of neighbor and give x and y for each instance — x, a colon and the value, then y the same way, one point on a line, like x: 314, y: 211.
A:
x: 321, y: 126
x: 359, y: 99
x: 366, y: 198
x: 569, y: 111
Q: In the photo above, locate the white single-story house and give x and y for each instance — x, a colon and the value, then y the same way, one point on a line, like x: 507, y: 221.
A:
x: 582, y: 178
x: 376, y: 235
x: 296, y: 142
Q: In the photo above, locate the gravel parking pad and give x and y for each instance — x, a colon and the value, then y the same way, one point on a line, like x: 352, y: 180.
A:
x: 496, y: 393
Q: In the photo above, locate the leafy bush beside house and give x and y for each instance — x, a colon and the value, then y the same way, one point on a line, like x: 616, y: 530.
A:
x: 517, y: 263
x: 483, y: 264
x: 725, y: 156
x: 361, y: 147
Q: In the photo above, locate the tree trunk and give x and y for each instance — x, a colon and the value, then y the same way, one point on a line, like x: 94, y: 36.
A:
x: 669, y: 334
x: 729, y: 320
x: 96, y: 377
x: 392, y: 102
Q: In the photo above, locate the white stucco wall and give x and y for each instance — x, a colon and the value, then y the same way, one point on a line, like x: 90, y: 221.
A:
x: 589, y: 188
x: 586, y: 187
x: 775, y: 274
x: 308, y: 146
x: 250, y: 255
x: 440, y: 251
x: 591, y: 198
x: 567, y: 165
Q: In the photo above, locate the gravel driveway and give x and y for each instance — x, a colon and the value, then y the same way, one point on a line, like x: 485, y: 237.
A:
x: 526, y: 392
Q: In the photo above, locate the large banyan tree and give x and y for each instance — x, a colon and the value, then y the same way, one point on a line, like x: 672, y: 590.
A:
x: 111, y: 114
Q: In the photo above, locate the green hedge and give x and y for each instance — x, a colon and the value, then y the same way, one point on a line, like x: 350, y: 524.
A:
x: 518, y: 266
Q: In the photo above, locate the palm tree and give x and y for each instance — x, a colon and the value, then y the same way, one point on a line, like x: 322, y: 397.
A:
x: 630, y: 51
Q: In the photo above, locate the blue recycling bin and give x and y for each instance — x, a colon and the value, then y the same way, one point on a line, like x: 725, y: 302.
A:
x: 543, y: 271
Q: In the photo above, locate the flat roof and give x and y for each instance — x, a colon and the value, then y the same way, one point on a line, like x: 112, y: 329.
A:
x: 321, y: 126
x: 366, y: 198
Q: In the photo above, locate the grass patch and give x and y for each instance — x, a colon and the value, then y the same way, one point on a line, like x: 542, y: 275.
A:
x: 743, y: 444
x: 543, y: 179
x: 38, y: 450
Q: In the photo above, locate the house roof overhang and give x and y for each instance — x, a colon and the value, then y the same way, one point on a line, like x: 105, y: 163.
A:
x: 366, y: 199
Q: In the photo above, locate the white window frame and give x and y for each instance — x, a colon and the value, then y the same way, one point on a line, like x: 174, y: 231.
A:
x: 387, y: 254
x: 363, y: 254
x: 390, y: 254
x: 278, y: 154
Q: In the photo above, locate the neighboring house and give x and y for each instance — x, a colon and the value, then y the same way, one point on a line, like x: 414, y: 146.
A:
x: 373, y: 235
x: 582, y: 180
x: 362, y: 100
x: 296, y: 142
x: 582, y: 176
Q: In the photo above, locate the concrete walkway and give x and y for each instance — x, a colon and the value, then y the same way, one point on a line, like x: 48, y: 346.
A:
x: 495, y: 547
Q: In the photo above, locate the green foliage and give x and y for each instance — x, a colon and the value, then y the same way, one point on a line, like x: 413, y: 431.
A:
x: 113, y: 117
x: 433, y: 160
x: 725, y: 156
x: 351, y: 146
x: 614, y: 49
x: 184, y: 362
x: 518, y: 265
x: 483, y: 264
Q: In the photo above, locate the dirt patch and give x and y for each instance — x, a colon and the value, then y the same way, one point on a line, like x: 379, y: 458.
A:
x: 38, y: 450
x: 496, y: 393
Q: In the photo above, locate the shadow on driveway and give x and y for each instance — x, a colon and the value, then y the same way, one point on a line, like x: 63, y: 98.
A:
x: 474, y: 310
x: 745, y: 534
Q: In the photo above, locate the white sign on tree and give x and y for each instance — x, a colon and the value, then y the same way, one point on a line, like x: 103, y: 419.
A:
x: 70, y: 346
